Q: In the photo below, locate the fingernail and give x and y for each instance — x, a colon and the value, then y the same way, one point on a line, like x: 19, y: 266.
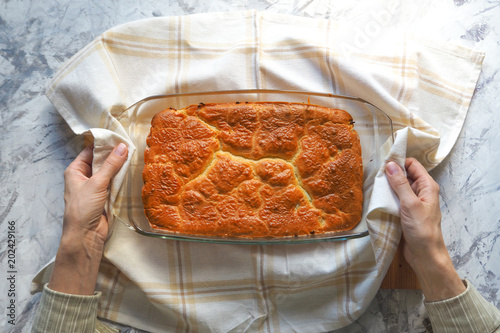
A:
x: 392, y: 168
x: 121, y: 149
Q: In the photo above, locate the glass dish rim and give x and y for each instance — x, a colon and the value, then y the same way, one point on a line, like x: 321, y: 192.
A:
x: 302, y: 239
x: 262, y: 91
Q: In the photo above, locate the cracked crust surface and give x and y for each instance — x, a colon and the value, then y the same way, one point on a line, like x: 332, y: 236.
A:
x: 268, y: 169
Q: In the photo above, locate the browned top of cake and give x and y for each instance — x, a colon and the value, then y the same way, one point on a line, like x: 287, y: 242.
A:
x: 267, y: 169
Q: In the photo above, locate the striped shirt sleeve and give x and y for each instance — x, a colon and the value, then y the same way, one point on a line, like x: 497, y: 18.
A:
x: 60, y: 312
x: 468, y: 312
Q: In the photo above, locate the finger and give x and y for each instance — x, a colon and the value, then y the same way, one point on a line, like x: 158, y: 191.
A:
x: 422, y: 182
x: 399, y: 182
x: 415, y: 169
x: 83, y: 162
x: 112, y: 164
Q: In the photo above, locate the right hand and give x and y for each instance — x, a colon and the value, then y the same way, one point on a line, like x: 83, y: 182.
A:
x: 420, y: 212
x: 424, y: 247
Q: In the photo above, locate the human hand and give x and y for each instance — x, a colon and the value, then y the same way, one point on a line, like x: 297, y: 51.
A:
x: 424, y: 247
x: 85, y: 195
x: 85, y: 226
x: 420, y: 212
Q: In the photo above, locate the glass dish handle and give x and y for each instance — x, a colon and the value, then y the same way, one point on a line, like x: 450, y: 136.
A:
x: 128, y: 225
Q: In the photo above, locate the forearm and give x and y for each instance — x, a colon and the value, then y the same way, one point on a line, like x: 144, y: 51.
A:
x: 68, y: 313
x: 76, y: 266
x: 467, y: 312
x: 438, y: 278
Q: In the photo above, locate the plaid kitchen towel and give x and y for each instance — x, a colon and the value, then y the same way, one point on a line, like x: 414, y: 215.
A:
x: 164, y: 285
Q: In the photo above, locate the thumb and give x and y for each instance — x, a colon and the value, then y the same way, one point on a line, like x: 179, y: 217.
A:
x: 112, y: 164
x: 399, y: 182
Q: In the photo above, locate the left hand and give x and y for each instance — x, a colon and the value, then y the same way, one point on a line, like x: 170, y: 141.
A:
x: 85, y: 194
x: 85, y: 226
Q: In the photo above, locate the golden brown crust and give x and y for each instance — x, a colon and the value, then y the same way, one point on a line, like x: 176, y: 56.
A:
x: 264, y: 169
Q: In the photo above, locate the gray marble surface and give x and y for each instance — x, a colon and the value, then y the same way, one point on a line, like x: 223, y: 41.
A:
x: 37, y: 37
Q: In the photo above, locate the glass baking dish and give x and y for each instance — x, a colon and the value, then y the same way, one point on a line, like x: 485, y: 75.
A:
x: 373, y: 126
